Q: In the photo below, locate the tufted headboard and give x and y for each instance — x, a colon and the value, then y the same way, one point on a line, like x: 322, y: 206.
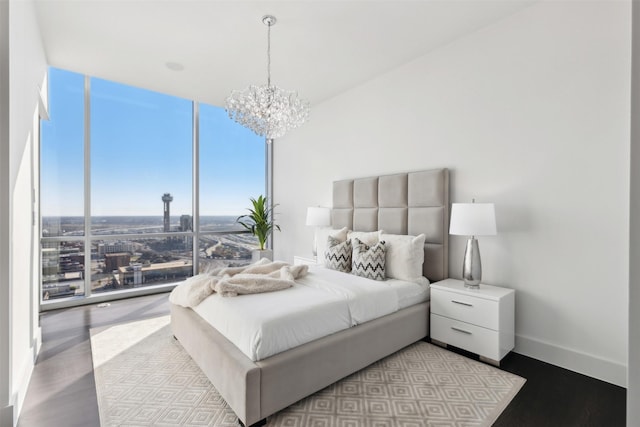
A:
x: 405, y: 203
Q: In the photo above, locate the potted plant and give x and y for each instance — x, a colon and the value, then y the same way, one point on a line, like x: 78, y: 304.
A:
x: 260, y: 223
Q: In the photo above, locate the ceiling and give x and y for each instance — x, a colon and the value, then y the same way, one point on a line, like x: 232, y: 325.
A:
x: 319, y: 48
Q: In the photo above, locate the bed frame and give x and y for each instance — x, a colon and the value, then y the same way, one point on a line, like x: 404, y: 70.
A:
x: 407, y: 203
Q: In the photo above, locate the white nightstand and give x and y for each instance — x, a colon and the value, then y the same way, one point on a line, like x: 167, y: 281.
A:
x: 309, y: 260
x: 477, y: 320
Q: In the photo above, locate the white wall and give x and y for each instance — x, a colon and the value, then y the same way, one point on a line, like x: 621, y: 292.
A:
x: 6, y: 413
x: 633, y: 387
x: 24, y: 73
x: 22, y: 349
x: 531, y: 113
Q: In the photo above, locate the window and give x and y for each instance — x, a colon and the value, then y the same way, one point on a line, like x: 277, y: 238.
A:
x: 118, y: 206
x: 141, y: 149
x: 226, y: 183
x: 62, y: 155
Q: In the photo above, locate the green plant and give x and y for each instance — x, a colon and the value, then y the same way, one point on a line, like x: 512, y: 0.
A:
x: 260, y: 220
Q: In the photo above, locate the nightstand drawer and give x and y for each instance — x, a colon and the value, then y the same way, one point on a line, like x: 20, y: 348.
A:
x: 465, y: 308
x: 475, y: 339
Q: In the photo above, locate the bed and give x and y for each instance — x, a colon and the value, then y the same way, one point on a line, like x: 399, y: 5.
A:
x: 406, y: 203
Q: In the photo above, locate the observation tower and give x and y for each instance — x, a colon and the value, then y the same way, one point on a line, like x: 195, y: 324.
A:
x: 167, y: 198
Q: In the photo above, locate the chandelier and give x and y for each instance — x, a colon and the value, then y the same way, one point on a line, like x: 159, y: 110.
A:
x: 268, y: 111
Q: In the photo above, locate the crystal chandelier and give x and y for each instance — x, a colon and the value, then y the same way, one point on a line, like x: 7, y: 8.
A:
x: 267, y: 110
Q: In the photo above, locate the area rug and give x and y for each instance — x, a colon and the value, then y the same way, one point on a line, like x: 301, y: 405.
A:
x: 145, y: 378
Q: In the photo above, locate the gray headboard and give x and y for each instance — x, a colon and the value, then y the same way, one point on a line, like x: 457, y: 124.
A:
x: 405, y: 203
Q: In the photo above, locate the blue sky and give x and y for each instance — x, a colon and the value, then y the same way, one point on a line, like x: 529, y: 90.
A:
x: 141, y: 148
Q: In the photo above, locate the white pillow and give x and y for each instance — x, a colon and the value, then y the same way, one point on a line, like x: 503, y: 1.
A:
x: 321, y: 240
x: 405, y: 256
x: 369, y: 238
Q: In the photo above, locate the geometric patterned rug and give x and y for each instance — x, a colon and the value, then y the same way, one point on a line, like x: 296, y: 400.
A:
x: 145, y: 378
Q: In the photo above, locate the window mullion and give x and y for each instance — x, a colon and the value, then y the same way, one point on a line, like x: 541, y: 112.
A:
x: 196, y: 188
x: 268, y: 181
x: 87, y: 186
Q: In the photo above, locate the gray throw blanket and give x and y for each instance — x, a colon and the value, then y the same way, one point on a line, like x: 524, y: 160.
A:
x: 262, y: 276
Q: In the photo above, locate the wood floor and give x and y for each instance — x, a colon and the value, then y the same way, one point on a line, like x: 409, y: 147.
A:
x: 62, y: 389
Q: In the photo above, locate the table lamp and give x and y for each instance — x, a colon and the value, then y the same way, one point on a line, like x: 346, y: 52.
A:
x: 318, y: 217
x: 472, y: 219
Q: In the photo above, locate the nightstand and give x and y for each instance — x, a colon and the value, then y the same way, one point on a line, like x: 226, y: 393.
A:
x: 308, y: 260
x: 477, y: 320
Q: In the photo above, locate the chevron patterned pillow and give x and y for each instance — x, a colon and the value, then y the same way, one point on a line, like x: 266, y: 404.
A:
x: 337, y: 255
x: 368, y: 261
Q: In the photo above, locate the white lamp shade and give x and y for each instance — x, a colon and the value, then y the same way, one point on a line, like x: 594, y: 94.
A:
x: 473, y: 219
x: 318, y: 217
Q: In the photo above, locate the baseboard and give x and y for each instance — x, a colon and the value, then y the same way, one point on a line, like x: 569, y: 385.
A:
x: 37, y: 343
x: 24, y: 374
x: 583, y: 363
x: 23, y: 384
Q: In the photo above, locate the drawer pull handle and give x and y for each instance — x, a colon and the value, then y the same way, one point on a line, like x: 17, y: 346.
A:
x: 461, y: 330
x: 462, y: 303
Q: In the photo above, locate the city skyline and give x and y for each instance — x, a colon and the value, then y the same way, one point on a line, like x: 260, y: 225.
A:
x: 141, y: 148
x: 115, y: 225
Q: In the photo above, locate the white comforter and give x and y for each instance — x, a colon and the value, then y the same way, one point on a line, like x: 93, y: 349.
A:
x: 321, y: 303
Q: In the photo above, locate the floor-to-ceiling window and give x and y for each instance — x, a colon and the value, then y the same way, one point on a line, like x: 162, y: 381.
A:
x: 225, y: 184
x: 139, y: 189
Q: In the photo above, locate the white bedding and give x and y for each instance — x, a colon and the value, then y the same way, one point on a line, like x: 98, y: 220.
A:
x: 321, y: 303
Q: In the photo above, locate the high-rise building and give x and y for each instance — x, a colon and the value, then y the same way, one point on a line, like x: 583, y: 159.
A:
x: 186, y: 223
x: 167, y: 199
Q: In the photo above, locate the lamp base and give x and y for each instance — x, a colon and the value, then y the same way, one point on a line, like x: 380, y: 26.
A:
x: 315, y: 242
x: 471, y: 266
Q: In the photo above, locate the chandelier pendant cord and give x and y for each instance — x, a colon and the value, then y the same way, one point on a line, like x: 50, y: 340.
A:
x: 269, y: 96
x: 269, y: 54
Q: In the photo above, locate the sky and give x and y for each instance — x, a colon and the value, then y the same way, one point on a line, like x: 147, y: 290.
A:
x: 141, y: 148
